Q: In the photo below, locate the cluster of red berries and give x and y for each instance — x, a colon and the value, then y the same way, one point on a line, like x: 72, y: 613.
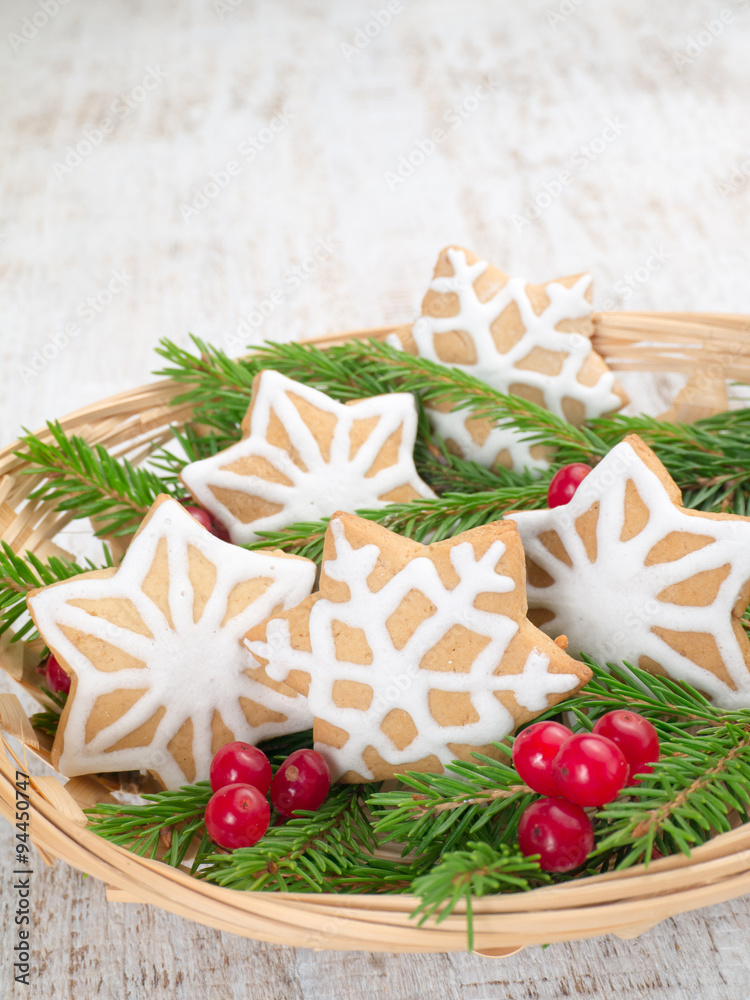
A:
x: 238, y: 813
x: 575, y: 771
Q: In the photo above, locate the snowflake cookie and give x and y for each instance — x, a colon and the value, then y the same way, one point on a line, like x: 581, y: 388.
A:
x: 528, y: 340
x: 414, y: 655
x: 160, y: 676
x: 304, y: 456
x: 628, y: 574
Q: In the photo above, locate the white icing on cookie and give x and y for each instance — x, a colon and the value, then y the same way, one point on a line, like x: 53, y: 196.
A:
x: 395, y: 675
x: 192, y: 668
x: 499, y: 369
x: 610, y: 605
x: 312, y: 484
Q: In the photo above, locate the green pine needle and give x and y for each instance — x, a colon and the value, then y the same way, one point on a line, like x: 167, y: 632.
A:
x: 87, y: 480
x: 477, y: 870
x: 19, y: 575
x: 305, y: 854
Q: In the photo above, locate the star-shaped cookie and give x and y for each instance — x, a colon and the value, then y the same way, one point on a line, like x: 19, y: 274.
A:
x: 304, y: 456
x: 628, y: 574
x: 160, y: 676
x: 414, y: 655
x: 528, y: 340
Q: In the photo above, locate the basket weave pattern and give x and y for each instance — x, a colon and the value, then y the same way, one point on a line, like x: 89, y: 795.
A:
x: 625, y: 903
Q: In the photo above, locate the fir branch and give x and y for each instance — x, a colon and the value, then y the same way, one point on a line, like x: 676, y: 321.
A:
x: 709, y: 459
x: 48, y: 720
x: 449, y: 809
x: 220, y: 390
x: 304, y: 854
x: 19, y: 575
x: 468, y: 874
x: 688, y: 797
x: 194, y: 446
x: 171, y: 820
x: 86, y: 479
x: 423, y: 520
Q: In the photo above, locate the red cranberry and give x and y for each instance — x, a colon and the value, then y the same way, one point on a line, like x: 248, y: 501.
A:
x: 57, y: 679
x: 558, y: 831
x: 237, y: 816
x: 635, y: 736
x: 533, y: 752
x: 302, y: 782
x: 589, y: 770
x: 565, y: 482
x: 240, y: 763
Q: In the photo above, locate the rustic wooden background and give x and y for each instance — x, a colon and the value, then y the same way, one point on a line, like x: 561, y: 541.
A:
x: 244, y: 165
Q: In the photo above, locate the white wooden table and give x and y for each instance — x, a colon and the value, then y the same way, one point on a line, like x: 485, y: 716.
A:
x: 167, y: 167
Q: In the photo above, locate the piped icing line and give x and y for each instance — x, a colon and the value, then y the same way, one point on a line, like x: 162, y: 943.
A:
x: 499, y: 370
x: 193, y: 660
x: 309, y: 484
x: 395, y: 675
x: 612, y: 599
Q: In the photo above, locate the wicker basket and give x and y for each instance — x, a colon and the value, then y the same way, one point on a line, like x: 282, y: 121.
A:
x: 711, y: 348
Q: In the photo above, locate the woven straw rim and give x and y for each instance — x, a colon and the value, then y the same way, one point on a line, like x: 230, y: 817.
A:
x: 626, y: 903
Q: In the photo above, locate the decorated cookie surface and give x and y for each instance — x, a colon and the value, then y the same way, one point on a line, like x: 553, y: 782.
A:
x: 528, y: 340
x: 628, y: 574
x: 160, y: 676
x: 304, y: 456
x: 413, y: 655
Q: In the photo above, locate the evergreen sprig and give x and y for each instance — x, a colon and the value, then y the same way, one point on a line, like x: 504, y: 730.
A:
x: 170, y: 822
x: 20, y: 574
x: 48, y: 720
x: 478, y: 870
x: 422, y: 520
x: 710, y: 459
x: 87, y: 480
x: 690, y: 795
x: 305, y: 854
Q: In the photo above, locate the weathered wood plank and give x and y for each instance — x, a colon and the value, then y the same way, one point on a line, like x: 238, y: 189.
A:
x: 523, y: 98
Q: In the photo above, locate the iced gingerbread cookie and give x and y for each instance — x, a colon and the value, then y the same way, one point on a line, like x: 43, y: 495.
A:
x: 304, y: 456
x: 160, y: 675
x: 628, y: 574
x: 414, y: 655
x: 528, y: 340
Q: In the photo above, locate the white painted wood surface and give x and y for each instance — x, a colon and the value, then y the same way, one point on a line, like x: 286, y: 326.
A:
x: 626, y: 120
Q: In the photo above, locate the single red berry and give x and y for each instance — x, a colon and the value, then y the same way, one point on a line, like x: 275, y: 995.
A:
x: 589, y: 770
x: 302, y: 782
x: 565, y: 482
x: 533, y: 752
x: 635, y: 736
x: 57, y: 679
x: 240, y: 763
x: 237, y: 816
x: 558, y: 831
x: 207, y: 521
